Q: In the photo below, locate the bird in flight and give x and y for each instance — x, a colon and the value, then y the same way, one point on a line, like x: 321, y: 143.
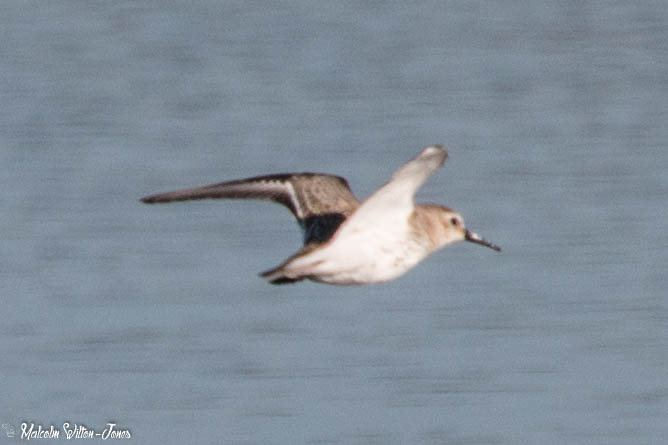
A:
x: 346, y: 241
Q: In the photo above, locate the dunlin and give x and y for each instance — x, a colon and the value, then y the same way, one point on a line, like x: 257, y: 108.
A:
x: 345, y: 241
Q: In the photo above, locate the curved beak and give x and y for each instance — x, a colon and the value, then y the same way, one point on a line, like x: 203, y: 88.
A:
x: 475, y: 238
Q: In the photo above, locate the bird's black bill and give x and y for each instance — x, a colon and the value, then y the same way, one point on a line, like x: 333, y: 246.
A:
x: 475, y: 238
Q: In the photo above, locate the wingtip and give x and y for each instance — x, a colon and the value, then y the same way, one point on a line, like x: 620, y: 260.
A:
x: 155, y: 199
x: 435, y: 150
x: 148, y: 199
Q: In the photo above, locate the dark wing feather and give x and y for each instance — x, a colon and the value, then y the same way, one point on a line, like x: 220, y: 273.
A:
x: 268, y: 188
x: 319, y: 202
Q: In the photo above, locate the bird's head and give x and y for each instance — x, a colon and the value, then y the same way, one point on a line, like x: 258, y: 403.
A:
x: 451, y: 228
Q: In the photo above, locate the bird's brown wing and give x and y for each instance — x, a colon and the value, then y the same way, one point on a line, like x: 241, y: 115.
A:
x: 319, y: 202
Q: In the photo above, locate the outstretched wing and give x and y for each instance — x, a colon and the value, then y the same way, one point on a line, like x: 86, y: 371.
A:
x: 393, y: 202
x: 319, y: 202
x: 406, y: 181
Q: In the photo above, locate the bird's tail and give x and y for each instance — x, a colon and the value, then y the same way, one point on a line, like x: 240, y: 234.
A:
x: 277, y: 276
x: 295, y: 268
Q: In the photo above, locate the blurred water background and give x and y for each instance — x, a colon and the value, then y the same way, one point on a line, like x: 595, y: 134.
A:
x: 556, y: 118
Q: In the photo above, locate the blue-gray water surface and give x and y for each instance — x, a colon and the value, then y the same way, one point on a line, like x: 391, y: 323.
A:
x: 153, y: 317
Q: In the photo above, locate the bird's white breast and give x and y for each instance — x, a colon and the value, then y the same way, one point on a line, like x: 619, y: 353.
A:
x: 368, y: 254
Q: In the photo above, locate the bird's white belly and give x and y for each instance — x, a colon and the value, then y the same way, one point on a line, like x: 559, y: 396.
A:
x: 367, y: 259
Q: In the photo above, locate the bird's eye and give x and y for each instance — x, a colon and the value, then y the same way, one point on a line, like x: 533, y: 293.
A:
x: 454, y: 222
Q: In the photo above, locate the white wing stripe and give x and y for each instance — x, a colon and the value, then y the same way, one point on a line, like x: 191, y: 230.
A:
x: 295, y: 201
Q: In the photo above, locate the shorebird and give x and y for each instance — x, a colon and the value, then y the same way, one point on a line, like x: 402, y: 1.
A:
x: 347, y: 241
